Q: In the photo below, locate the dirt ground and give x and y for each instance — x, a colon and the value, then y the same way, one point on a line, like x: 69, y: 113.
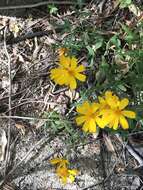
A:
x: 27, y: 53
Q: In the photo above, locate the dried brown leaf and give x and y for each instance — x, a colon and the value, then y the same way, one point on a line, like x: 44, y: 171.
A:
x: 21, y: 128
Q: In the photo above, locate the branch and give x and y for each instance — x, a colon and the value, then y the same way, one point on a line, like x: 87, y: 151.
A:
x: 9, y: 101
x: 135, y: 154
x: 39, y: 4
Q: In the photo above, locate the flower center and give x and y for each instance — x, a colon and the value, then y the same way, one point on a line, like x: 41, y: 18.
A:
x: 118, y: 112
x: 70, y: 72
x: 62, y: 171
x: 92, y: 115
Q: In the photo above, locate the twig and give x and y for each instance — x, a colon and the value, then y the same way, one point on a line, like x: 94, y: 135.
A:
x: 73, y: 107
x: 131, y: 150
x: 20, y: 117
x: 28, y: 36
x: 102, y: 159
x: 9, y: 102
x: 135, y: 154
x: 39, y: 4
x: 32, y: 101
x: 30, y: 118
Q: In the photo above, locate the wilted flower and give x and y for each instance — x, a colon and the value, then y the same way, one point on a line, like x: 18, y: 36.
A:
x: 66, y: 174
x: 63, y: 172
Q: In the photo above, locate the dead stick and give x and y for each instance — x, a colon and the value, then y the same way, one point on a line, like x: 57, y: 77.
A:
x: 9, y: 101
x: 39, y: 4
x: 135, y: 154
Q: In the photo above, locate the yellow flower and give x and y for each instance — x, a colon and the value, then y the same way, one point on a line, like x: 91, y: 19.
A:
x: 63, y: 51
x: 62, y: 173
x: 67, y: 72
x: 59, y: 161
x: 66, y: 174
x: 114, y: 112
x: 72, y: 174
x: 89, y: 115
x: 109, y: 100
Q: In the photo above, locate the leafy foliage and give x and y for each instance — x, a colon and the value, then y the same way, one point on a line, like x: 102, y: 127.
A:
x: 113, y: 59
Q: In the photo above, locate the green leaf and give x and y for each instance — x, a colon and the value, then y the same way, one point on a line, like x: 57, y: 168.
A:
x: 52, y: 9
x: 122, y: 87
x: 130, y: 35
x: 98, y: 44
x: 125, y: 3
x: 91, y: 51
x: 115, y: 41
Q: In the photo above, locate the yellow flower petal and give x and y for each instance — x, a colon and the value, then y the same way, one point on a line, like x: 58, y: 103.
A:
x: 80, y: 77
x: 54, y: 73
x: 94, y: 107
x: 71, y: 178
x: 73, y: 63
x: 111, y: 124
x: 85, y: 126
x: 59, y: 76
x: 107, y: 113
x: 108, y: 93
x: 80, y: 68
x: 64, y: 180
x: 80, y: 120
x: 116, y: 123
x: 112, y: 100
x: 129, y: 114
x: 65, y: 61
x: 124, y: 122
x: 101, y: 100
x: 72, y: 83
x: 82, y: 109
x: 73, y: 172
x: 55, y: 161
x: 123, y: 103
x: 101, y: 122
x: 58, y: 161
x: 91, y: 126
x: 61, y: 80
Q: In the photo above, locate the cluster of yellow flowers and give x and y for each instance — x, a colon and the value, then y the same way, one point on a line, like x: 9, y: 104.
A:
x: 68, y: 71
x: 109, y: 111
x: 63, y: 172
